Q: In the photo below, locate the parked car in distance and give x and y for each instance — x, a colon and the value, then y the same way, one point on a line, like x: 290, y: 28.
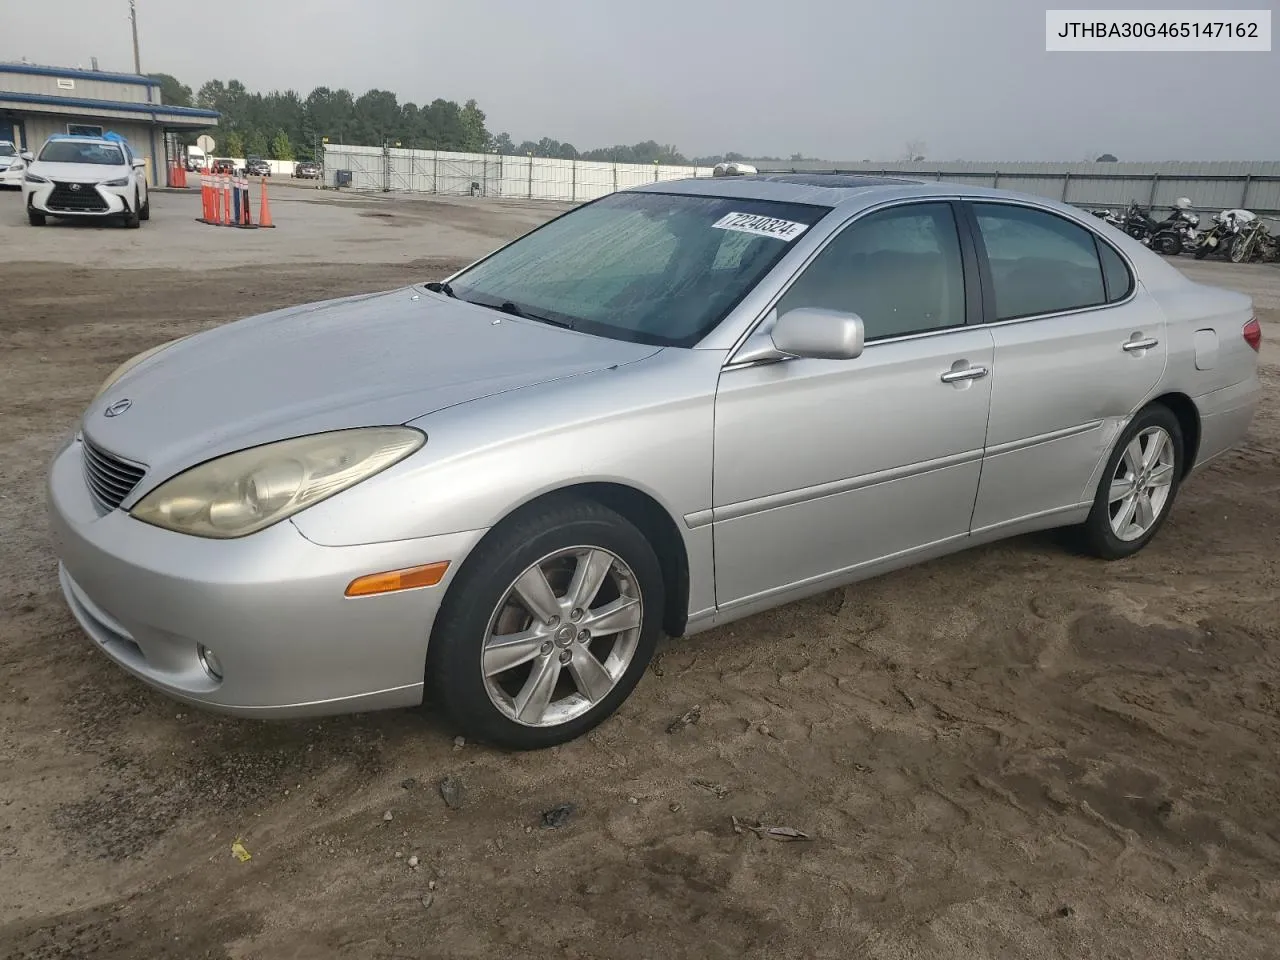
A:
x: 223, y: 165
x: 664, y: 410
x: 257, y: 167
x: 11, y: 165
x: 307, y: 170
x: 85, y: 177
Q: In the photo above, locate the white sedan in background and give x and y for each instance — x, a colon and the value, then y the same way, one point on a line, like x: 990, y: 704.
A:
x: 11, y: 165
x: 85, y: 177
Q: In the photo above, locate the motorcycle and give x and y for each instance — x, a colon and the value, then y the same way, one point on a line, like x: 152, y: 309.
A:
x: 1254, y: 242
x: 1170, y: 236
x: 1226, y: 227
x: 1137, y: 222
x: 1109, y: 216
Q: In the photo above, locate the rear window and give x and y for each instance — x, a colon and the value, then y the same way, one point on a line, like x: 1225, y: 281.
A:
x: 71, y: 151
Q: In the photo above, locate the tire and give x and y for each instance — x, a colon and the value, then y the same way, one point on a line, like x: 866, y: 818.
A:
x: 145, y: 212
x: 1239, y: 250
x: 131, y: 218
x: 481, y: 602
x: 1099, y: 532
x: 1168, y: 244
x: 35, y: 218
x: 1202, y: 250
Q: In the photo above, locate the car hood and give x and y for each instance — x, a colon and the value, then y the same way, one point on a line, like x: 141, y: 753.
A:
x: 78, y: 172
x: 359, y: 361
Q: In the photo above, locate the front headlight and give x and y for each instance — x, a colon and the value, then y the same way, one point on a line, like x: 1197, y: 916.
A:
x: 33, y: 178
x: 122, y: 182
x: 129, y: 364
x: 241, y: 493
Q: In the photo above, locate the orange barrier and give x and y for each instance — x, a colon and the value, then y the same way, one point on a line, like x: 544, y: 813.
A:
x: 264, y: 206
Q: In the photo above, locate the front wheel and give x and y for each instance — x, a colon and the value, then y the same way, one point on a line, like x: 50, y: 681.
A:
x: 35, y: 218
x: 1240, y: 250
x: 131, y: 218
x: 144, y: 213
x: 548, y: 627
x: 1138, y: 486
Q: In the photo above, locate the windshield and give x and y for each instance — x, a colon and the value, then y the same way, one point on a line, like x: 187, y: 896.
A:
x: 645, y: 267
x: 7, y: 150
x: 72, y: 151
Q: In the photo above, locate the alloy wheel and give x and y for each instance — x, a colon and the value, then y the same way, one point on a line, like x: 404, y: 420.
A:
x: 562, y: 636
x: 1141, y: 484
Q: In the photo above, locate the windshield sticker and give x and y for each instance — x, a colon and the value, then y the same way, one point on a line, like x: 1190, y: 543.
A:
x: 761, y: 226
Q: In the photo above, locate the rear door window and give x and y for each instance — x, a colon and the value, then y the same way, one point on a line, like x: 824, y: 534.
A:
x: 1040, y: 263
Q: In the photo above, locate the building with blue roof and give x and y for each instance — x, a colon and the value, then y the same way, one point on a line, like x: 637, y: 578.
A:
x: 37, y: 102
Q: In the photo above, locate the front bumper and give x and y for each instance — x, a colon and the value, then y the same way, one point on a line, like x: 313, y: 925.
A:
x: 113, y: 201
x: 270, y: 606
x: 9, y: 177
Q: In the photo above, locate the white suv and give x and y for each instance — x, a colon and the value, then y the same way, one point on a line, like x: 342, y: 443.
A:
x: 85, y: 177
x: 10, y: 165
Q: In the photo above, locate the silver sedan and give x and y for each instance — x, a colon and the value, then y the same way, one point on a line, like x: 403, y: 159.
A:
x: 662, y: 411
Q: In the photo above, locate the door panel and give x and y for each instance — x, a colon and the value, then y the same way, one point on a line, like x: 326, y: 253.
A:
x: 1062, y: 383
x: 823, y: 465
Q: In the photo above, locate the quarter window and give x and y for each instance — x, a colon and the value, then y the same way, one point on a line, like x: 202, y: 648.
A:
x: 1040, y: 262
x: 1115, y: 273
x: 898, y: 269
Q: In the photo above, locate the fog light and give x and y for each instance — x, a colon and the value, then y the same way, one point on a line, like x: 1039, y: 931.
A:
x: 210, y: 663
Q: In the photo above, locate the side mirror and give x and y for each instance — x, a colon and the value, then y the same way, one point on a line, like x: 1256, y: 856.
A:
x: 139, y: 164
x: 819, y: 334
x: 28, y: 156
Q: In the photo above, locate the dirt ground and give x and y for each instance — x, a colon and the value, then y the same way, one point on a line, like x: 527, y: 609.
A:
x: 1011, y: 753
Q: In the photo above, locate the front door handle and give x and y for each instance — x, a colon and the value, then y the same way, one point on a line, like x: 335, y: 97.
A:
x: 1141, y: 344
x: 965, y: 373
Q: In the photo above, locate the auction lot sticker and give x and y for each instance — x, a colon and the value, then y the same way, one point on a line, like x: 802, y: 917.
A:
x: 761, y: 226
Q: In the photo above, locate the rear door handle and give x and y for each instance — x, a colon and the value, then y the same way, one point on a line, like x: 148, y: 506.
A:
x: 967, y: 373
x: 1145, y: 344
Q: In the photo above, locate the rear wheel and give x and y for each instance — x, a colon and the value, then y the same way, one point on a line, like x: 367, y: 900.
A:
x: 1168, y: 244
x: 1138, y: 486
x: 548, y: 627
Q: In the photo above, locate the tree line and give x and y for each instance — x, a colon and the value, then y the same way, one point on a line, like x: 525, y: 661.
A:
x: 285, y: 125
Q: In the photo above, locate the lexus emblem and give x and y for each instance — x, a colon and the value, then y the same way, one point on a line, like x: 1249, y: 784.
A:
x: 75, y: 186
x: 117, y: 408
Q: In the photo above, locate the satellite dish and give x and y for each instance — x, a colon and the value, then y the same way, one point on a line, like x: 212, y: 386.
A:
x: 205, y: 143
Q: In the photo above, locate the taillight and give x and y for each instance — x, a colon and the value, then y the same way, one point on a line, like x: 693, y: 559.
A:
x: 1253, y: 334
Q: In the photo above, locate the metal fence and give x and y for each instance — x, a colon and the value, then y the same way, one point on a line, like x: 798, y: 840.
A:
x: 1211, y: 186
x: 491, y: 175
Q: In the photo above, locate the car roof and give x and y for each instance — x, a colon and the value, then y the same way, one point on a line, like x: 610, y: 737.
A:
x: 75, y: 138
x: 827, y: 189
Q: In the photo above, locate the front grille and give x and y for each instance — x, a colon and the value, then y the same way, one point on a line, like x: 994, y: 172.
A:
x: 110, y: 478
x: 76, y: 197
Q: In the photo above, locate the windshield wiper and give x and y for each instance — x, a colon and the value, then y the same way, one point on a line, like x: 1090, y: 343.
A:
x: 439, y: 286
x: 518, y: 311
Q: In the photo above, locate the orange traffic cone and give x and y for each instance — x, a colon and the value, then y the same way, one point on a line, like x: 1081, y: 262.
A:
x: 264, y: 207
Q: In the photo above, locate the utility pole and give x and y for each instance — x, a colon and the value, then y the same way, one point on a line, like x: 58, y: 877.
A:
x: 133, y: 19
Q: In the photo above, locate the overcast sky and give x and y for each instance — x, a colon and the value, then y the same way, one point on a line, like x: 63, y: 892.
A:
x: 836, y: 80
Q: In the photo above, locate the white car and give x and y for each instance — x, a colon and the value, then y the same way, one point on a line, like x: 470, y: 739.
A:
x: 85, y: 177
x: 10, y: 165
